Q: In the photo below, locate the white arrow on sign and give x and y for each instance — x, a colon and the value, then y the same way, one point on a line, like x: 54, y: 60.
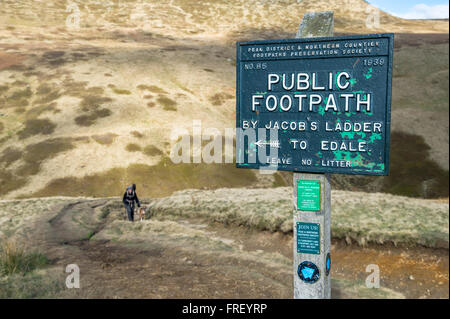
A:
x: 275, y: 144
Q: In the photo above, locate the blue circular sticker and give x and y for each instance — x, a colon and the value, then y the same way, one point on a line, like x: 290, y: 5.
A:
x: 328, y: 264
x: 308, y: 272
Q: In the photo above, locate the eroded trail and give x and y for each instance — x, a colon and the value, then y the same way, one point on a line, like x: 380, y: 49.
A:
x: 416, y: 272
x: 167, y: 257
x: 145, y: 268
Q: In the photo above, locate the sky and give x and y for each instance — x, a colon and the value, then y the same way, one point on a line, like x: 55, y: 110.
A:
x: 414, y: 9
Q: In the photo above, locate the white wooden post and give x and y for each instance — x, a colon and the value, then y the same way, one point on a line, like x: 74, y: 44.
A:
x: 313, y: 284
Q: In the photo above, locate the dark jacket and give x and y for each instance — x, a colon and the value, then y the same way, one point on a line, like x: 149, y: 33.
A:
x: 129, y: 199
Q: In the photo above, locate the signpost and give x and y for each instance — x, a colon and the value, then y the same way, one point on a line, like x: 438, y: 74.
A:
x: 325, y: 103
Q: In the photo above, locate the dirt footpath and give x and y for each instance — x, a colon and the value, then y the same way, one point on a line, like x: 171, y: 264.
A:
x: 161, y: 258
x: 416, y: 272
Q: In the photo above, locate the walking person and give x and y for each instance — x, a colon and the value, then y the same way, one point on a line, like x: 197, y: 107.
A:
x: 128, y: 200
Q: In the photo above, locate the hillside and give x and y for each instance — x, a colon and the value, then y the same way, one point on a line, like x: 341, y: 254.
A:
x: 84, y: 112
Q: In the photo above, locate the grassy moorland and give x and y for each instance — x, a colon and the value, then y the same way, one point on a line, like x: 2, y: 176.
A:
x: 362, y: 218
x: 84, y: 112
x: 192, y: 239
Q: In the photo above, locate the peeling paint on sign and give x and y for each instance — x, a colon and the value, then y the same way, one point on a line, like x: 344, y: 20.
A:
x: 327, y: 101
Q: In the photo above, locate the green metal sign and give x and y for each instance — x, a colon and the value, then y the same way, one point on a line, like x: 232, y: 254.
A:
x: 308, y: 195
x: 319, y: 105
x: 308, y: 238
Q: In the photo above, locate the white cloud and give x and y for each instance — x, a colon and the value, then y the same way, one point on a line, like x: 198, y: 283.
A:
x: 423, y: 11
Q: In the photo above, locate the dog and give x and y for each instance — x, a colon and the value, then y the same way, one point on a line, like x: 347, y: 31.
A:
x: 142, y: 211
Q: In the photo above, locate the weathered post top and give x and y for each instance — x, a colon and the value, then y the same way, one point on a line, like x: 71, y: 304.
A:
x: 316, y: 24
